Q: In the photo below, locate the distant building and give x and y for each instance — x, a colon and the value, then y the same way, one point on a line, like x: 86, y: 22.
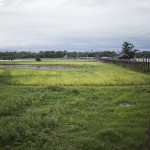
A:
x: 123, y: 56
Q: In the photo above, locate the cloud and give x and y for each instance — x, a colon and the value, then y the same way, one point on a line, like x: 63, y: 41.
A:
x: 74, y: 24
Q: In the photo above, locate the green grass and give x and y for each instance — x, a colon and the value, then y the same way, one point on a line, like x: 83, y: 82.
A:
x: 90, y: 73
x: 77, y: 118
x: 82, y: 115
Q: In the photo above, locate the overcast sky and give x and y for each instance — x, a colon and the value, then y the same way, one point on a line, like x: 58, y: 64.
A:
x: 82, y: 25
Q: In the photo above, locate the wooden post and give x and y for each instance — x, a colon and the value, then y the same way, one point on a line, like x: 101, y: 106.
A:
x: 148, y: 132
x: 137, y: 64
x: 143, y: 64
x: 148, y: 64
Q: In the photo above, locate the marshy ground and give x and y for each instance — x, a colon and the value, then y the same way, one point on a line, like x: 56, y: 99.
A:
x: 73, y: 109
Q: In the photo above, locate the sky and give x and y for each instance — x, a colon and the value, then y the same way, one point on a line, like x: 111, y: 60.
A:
x: 81, y: 25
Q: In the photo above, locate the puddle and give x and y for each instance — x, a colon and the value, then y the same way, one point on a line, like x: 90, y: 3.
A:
x: 126, y: 104
x: 41, y: 66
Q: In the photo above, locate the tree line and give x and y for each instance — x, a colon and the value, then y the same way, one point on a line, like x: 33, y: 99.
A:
x: 62, y: 54
x: 55, y: 54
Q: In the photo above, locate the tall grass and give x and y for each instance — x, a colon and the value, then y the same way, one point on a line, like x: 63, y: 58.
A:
x: 90, y: 73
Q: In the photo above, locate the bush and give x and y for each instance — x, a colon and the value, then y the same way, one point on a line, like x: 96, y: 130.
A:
x: 38, y: 59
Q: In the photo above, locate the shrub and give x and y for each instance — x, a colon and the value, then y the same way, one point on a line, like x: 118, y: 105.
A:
x: 38, y: 59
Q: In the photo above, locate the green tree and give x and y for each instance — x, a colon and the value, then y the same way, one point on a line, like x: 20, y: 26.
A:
x: 38, y: 59
x: 128, y: 49
x: 11, y: 58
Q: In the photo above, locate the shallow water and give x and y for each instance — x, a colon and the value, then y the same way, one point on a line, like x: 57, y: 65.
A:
x: 40, y: 66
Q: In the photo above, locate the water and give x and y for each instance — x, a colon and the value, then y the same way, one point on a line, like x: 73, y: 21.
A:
x: 20, y: 60
x: 40, y: 66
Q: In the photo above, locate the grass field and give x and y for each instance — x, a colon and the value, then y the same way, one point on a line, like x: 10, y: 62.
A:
x: 89, y: 73
x: 82, y: 115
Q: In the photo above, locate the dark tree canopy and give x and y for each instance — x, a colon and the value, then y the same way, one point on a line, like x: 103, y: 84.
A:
x: 61, y: 54
x: 57, y: 54
x: 38, y: 59
x: 128, y: 49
